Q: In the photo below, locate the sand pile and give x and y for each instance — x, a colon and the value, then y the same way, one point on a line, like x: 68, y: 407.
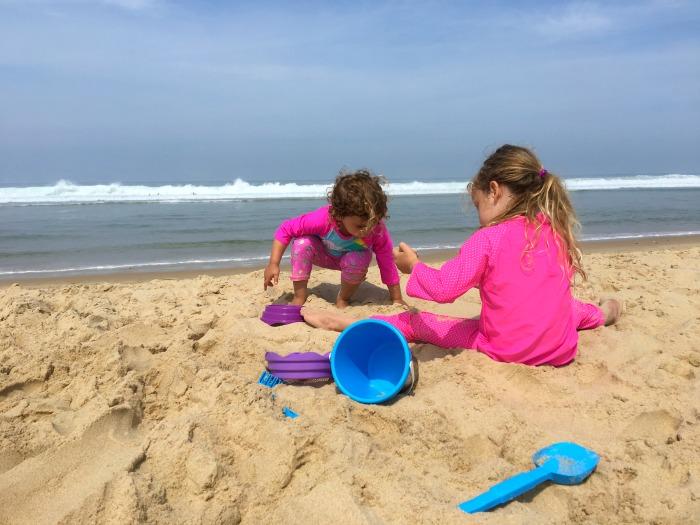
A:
x: 126, y: 403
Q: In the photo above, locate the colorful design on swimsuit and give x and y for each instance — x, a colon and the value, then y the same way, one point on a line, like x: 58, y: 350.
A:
x: 337, y: 246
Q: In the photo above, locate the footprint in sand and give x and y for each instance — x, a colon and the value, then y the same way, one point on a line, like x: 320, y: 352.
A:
x: 595, y: 374
x: 521, y: 380
x: 680, y: 368
x: 63, y: 423
x: 659, y: 426
x: 74, y: 472
x: 135, y: 357
x: 8, y: 459
x: 21, y: 389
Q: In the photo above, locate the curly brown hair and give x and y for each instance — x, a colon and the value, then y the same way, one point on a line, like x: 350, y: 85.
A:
x: 358, y: 193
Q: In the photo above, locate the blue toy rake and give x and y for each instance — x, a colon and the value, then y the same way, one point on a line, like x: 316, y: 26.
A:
x: 268, y: 380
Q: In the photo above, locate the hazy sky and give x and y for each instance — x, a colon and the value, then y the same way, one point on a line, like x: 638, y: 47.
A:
x: 154, y: 90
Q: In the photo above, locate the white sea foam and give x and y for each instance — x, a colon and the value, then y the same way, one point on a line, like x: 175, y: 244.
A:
x: 65, y: 192
x: 142, y: 266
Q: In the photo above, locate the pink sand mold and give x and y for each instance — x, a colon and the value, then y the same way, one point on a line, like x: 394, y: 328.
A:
x: 299, y: 365
x: 281, y: 314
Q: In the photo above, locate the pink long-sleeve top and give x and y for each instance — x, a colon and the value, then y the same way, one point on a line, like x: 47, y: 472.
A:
x: 527, y: 310
x: 320, y: 223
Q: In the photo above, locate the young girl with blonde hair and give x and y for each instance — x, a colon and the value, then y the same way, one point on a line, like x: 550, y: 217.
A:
x: 523, y: 260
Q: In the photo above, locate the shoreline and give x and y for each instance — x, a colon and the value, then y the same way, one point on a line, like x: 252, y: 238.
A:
x: 430, y: 256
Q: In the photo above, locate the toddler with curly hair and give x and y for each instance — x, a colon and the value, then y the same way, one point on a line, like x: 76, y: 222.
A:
x: 340, y: 236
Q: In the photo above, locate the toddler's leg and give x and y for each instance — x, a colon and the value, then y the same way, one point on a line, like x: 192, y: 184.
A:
x: 306, y: 252
x: 353, y: 270
x: 587, y: 316
x: 439, y: 330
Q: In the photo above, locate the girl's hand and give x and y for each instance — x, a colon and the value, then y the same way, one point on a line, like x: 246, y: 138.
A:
x: 405, y: 257
x: 272, y: 275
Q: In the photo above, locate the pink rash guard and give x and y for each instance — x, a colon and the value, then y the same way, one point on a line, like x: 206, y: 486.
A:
x: 528, y: 314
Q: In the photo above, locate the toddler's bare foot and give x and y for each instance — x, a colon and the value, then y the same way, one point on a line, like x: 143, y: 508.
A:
x: 612, y: 308
x: 301, y: 292
x: 326, y: 320
x: 341, y: 303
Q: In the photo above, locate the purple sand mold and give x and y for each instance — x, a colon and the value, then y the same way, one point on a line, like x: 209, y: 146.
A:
x: 303, y: 375
x: 299, y: 365
x: 296, y: 367
x: 280, y: 320
x: 281, y: 314
x: 298, y: 357
x: 283, y: 308
x: 282, y: 317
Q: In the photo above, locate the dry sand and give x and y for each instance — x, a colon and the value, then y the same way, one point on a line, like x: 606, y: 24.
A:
x: 138, y: 402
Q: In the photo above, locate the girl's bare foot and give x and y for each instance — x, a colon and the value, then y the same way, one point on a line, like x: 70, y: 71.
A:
x: 327, y: 320
x: 612, y: 308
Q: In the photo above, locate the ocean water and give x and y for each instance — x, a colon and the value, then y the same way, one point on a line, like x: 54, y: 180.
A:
x: 67, y: 229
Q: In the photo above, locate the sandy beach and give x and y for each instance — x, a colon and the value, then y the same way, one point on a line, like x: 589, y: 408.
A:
x: 135, y: 400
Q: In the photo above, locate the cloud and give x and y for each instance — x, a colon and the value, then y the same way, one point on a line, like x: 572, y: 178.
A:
x: 133, y: 5
x: 576, y: 20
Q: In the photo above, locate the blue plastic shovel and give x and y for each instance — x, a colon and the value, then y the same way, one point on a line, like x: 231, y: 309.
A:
x: 564, y: 463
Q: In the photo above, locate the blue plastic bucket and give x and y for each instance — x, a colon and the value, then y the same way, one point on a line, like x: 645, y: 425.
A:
x: 370, y: 361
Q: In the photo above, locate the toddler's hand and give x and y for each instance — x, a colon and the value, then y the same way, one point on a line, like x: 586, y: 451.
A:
x: 405, y: 257
x: 272, y: 275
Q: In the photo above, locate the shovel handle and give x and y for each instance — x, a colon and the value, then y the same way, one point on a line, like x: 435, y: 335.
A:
x: 508, y: 489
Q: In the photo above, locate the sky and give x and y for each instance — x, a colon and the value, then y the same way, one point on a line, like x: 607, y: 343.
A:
x: 201, y: 91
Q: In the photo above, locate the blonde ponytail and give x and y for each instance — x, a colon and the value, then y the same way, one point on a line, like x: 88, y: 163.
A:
x: 535, y: 190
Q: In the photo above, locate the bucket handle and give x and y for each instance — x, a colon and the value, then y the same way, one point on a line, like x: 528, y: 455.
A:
x: 412, y: 379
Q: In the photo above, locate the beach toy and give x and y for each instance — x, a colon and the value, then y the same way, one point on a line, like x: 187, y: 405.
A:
x: 289, y: 413
x: 299, y: 365
x: 370, y: 361
x: 279, y: 314
x: 268, y: 380
x: 564, y: 463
